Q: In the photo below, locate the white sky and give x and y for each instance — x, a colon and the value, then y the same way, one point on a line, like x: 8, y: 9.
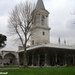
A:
x: 60, y: 19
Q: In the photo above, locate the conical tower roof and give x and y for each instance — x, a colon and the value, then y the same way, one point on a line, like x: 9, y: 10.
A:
x: 40, y: 5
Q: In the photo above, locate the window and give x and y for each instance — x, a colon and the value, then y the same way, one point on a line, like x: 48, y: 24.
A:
x: 43, y: 33
x: 32, y: 42
x: 42, y: 20
x: 35, y: 20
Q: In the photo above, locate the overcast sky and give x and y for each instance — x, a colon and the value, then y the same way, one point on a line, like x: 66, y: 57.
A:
x: 60, y: 20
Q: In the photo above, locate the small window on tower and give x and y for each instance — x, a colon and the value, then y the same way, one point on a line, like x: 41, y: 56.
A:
x: 43, y: 33
x: 32, y: 42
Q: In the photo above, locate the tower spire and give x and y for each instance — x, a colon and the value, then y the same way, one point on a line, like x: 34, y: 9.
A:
x: 40, y: 5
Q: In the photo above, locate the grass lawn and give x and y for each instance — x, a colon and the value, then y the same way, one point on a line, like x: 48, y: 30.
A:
x: 41, y: 71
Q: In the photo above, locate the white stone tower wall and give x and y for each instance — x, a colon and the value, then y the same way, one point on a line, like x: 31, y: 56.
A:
x: 38, y: 37
x: 40, y: 29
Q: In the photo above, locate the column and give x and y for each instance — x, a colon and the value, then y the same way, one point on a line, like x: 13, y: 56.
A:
x: 65, y: 60
x: 55, y: 59
x: 17, y: 59
x: 38, y: 60
x: 2, y: 64
x: 45, y: 60
x: 32, y: 60
x: 73, y: 59
x: 28, y: 59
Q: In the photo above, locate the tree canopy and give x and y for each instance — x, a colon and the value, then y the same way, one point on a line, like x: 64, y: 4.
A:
x: 3, y: 38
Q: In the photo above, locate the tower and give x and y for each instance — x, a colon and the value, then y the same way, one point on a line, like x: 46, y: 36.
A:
x: 40, y: 29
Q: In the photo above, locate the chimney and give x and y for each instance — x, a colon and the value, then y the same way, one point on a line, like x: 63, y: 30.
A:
x: 59, y: 40
x: 20, y: 47
x: 64, y: 42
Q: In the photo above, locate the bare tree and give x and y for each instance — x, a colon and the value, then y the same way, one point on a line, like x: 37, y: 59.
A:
x: 20, y: 21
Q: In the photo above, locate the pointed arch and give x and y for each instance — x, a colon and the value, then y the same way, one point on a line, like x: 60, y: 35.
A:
x: 60, y: 58
x: 51, y: 57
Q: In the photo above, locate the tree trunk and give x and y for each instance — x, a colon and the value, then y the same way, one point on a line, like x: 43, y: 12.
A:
x: 25, y: 57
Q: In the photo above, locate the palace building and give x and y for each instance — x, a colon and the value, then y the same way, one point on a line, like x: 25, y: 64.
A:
x: 41, y: 51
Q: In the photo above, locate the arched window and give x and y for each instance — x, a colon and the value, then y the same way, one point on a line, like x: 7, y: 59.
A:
x: 42, y: 20
x: 35, y: 20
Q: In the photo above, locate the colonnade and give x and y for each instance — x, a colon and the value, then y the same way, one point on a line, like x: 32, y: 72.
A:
x: 64, y: 59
